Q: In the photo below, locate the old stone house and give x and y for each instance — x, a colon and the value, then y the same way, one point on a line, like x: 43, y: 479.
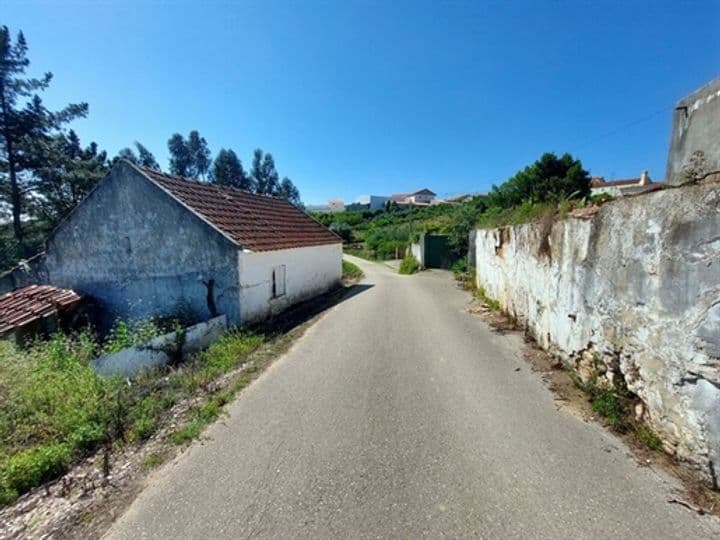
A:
x: 145, y: 243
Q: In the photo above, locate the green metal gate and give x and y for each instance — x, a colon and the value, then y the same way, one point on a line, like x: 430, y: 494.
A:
x: 437, y: 251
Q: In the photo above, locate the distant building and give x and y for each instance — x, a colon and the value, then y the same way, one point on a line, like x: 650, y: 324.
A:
x: 619, y: 188
x: 335, y: 205
x: 371, y: 202
x: 423, y: 197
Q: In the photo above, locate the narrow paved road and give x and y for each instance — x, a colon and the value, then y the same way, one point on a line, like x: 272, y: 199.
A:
x: 400, y: 415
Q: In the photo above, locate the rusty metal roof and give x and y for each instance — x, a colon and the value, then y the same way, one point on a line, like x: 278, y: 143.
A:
x: 255, y: 222
x: 18, y: 308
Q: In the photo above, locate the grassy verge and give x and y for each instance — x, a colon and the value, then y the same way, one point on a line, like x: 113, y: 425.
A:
x: 409, y: 265
x: 350, y: 271
x: 55, y: 410
x: 485, y: 299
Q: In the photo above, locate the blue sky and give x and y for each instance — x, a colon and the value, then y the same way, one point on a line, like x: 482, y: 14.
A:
x: 378, y: 97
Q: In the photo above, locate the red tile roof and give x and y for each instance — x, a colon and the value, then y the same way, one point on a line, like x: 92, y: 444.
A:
x: 18, y: 308
x: 255, y: 222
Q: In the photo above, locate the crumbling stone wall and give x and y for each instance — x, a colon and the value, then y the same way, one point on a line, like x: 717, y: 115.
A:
x: 631, y: 292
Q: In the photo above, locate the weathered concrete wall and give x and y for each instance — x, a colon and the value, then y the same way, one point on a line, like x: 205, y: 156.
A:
x: 158, y: 352
x: 309, y: 271
x: 141, y: 253
x: 695, y: 127
x: 632, y: 292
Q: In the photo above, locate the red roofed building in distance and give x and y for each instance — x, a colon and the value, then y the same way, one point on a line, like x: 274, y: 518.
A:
x: 620, y: 188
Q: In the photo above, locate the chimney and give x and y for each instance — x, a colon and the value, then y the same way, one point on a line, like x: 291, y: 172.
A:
x: 645, y: 179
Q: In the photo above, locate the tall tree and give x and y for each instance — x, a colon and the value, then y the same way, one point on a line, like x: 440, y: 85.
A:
x: 264, y: 173
x: 548, y: 179
x: 140, y: 156
x: 69, y: 172
x: 189, y: 157
x: 227, y: 170
x: 26, y: 126
x: 289, y: 191
x: 199, y: 154
x: 266, y: 179
x: 256, y: 171
x: 180, y: 159
x: 270, y: 174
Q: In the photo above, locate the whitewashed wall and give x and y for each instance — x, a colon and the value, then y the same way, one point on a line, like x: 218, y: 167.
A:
x: 309, y: 271
x: 633, y: 292
x: 417, y: 252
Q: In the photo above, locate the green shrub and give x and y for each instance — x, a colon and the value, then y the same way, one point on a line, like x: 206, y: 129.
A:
x: 459, y: 267
x: 608, y: 404
x: 59, y: 399
x: 22, y: 471
x: 549, y: 179
x: 351, y: 271
x: 409, y: 265
x: 54, y: 408
x: 124, y: 335
x: 343, y: 230
x: 648, y: 437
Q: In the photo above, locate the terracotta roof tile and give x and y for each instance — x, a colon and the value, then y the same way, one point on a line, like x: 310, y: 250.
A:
x: 18, y: 308
x: 256, y: 222
x: 599, y: 181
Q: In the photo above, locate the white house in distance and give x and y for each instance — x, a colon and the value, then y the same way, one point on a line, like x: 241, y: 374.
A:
x: 335, y: 205
x: 144, y: 242
x: 372, y: 202
x: 423, y: 197
x: 620, y: 188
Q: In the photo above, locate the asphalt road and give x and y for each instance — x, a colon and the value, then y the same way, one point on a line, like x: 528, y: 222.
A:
x: 400, y: 415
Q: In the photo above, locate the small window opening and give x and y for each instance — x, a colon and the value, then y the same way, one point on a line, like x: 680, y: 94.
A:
x: 278, y: 281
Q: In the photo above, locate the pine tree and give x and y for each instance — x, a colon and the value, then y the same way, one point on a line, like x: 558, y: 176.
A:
x: 69, y: 172
x: 27, y: 128
x: 143, y: 157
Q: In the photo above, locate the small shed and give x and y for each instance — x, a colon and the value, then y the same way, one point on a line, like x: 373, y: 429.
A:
x: 36, y: 309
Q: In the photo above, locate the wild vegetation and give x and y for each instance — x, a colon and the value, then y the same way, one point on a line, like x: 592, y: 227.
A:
x: 54, y: 409
x: 350, y: 271
x: 409, y: 265
x: 551, y: 185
